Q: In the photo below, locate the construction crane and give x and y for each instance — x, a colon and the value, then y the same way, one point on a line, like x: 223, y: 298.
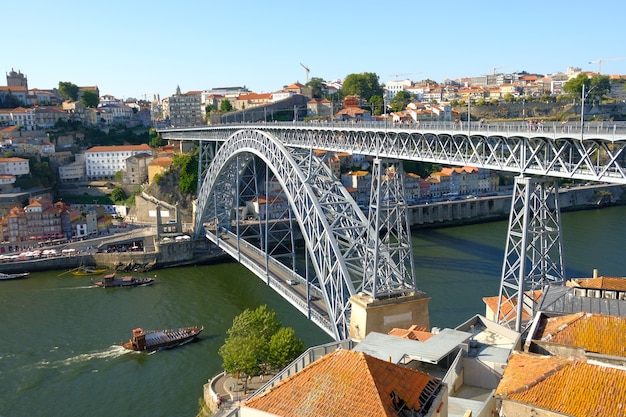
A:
x: 307, y: 71
x: 396, y: 76
x: 494, y: 69
x: 600, y: 61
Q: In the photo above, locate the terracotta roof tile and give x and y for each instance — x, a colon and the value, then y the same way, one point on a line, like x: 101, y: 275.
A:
x: 142, y: 147
x: 344, y: 383
x: 509, y: 305
x: 569, y: 386
x: 603, y: 283
x: 414, y: 332
x: 593, y: 332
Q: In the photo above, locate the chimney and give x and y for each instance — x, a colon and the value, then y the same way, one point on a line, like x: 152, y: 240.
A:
x: 595, y: 273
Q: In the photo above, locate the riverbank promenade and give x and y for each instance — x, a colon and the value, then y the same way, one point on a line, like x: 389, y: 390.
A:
x: 233, y: 390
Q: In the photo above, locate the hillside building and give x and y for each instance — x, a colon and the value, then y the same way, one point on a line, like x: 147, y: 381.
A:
x: 102, y: 162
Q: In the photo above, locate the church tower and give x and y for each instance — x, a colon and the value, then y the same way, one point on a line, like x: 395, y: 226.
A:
x: 17, y: 79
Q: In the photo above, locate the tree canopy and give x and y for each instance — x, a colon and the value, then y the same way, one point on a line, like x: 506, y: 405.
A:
x: 68, y: 90
x: 365, y: 85
x: 595, y: 87
x: 188, y: 165
x: 316, y: 85
x: 226, y: 106
x: 90, y: 99
x: 257, y: 339
x: 400, y: 100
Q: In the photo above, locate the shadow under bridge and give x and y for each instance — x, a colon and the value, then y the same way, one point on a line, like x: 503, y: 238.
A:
x: 256, y: 192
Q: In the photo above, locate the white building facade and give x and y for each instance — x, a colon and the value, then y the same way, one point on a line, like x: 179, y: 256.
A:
x: 14, y: 166
x: 102, y: 162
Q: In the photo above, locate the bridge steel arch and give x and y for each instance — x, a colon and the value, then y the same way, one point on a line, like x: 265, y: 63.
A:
x: 534, y: 250
x: 334, y: 228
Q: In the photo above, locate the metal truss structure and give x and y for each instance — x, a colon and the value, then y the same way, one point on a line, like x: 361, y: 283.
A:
x: 554, y: 152
x: 388, y: 216
x: 334, y: 229
x: 533, y: 255
x: 534, y: 250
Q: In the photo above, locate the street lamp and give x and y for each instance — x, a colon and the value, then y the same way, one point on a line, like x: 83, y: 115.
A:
x: 385, y: 108
x: 582, y: 109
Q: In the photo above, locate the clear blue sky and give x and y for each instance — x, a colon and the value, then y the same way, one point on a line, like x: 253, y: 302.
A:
x: 138, y: 48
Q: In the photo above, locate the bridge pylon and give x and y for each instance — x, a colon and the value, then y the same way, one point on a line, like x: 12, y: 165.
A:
x: 534, y: 250
x: 388, y: 218
x: 389, y: 297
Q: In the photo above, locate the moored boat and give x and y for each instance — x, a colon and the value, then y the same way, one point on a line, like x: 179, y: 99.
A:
x: 150, y: 340
x: 112, y: 281
x: 18, y: 275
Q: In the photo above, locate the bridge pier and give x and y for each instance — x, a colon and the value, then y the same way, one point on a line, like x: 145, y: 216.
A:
x: 384, y: 314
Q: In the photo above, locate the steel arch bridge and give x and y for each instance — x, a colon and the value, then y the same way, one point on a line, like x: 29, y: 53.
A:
x: 323, y: 209
x: 334, y: 229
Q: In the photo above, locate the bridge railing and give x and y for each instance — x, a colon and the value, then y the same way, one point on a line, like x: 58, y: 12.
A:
x: 275, y: 283
x: 554, y: 129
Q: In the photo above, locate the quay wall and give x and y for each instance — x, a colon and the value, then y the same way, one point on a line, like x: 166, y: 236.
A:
x: 167, y: 254
x: 454, y: 213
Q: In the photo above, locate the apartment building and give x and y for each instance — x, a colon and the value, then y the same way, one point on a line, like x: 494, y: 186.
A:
x: 186, y: 109
x: 102, y: 162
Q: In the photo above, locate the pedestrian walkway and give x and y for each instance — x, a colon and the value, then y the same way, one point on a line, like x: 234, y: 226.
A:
x: 232, y: 391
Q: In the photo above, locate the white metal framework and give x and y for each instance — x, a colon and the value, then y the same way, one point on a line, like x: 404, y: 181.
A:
x: 388, y: 216
x: 555, y: 151
x: 334, y: 229
x: 533, y: 256
x: 534, y: 250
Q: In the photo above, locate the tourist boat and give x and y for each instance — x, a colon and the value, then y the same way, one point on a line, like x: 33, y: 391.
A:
x: 161, y: 339
x: 19, y: 275
x: 87, y: 270
x: 112, y: 281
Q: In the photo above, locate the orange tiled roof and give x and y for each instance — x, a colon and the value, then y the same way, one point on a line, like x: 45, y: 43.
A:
x: 13, y: 159
x: 142, y: 147
x: 163, y: 161
x: 508, y: 306
x: 414, y: 332
x: 603, y: 283
x: 594, y: 332
x: 568, y: 386
x: 344, y: 383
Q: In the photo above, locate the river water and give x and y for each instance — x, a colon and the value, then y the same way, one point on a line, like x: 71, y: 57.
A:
x: 60, y: 336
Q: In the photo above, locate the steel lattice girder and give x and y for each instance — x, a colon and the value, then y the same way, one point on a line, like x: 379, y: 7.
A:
x: 599, y: 157
x: 387, y: 214
x: 334, y: 228
x: 534, y: 251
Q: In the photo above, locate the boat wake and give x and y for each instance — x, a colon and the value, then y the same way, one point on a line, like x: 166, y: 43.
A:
x: 81, y: 287
x: 112, y: 352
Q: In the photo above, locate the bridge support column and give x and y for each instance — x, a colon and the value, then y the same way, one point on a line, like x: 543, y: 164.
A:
x: 534, y: 254
x: 391, y: 234
x: 384, y: 314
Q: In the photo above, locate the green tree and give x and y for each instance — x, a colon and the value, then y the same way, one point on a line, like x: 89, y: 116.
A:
x: 155, y: 138
x: 316, y: 85
x: 284, y: 347
x: 118, y: 194
x: 9, y: 101
x: 90, y: 99
x: 365, y: 85
x: 187, y: 165
x: 376, y: 103
x: 226, y: 106
x: 68, y: 90
x: 256, y: 339
x: 400, y: 100
x: 595, y: 87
